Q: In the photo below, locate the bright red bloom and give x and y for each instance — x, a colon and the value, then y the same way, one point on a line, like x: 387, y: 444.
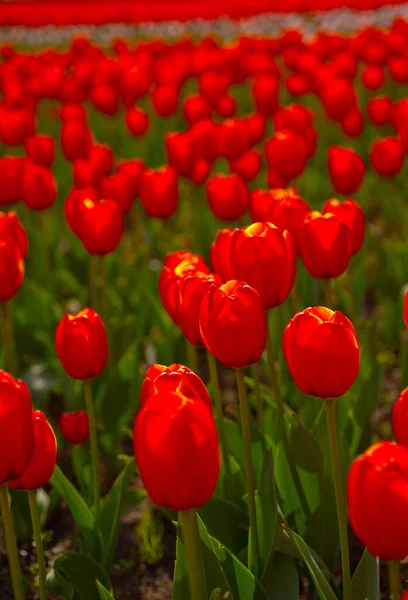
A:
x: 105, y: 99
x: 81, y: 344
x: 373, y: 77
x: 73, y: 112
x: 346, y: 169
x: 118, y: 187
x: 325, y: 245
x: 86, y: 172
x: 11, y: 176
x: 288, y: 211
x: 400, y: 418
x: 180, y: 152
x: 322, y: 352
x: 352, y: 123
x: 133, y: 169
x: 75, y: 140
x: 387, y: 156
x: 379, y: 110
x: 40, y: 148
x: 16, y: 427
x: 99, y: 225
x: 11, y: 268
x: 75, y: 426
x: 159, y: 192
x: 226, y: 106
x: 195, y: 108
x: 352, y: 215
x: 398, y: 67
x: 265, y: 90
x: 200, y: 172
x: 192, y: 290
x: 287, y: 154
x: 248, y: 165
x: 10, y: 225
x: 406, y: 310
x: 175, y: 378
x: 39, y: 187
x: 165, y: 100
x: 261, y: 203
x: 377, y: 494
x: 176, y: 449
x: 137, y: 121
x: 233, y: 324
x: 227, y: 196
x: 338, y: 97
x: 178, y: 265
x: 44, y: 457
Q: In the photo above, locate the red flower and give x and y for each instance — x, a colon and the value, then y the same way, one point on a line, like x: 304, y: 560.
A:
x: 11, y: 176
x: 176, y: 449
x: 338, y: 97
x: 10, y: 225
x: 379, y: 110
x: 137, y: 121
x: 75, y: 140
x: 248, y: 165
x: 377, y: 493
x: 44, y: 457
x: 346, y: 169
x: 39, y: 187
x: 105, y: 99
x: 288, y: 211
x: 175, y: 378
x: 11, y: 268
x: 40, y: 148
x: 81, y: 344
x: 192, y: 290
x: 180, y: 152
x: 373, y: 77
x: 322, y: 352
x: 287, y: 154
x: 387, y: 156
x: 265, y: 90
x: 352, y: 123
x: 75, y: 426
x: 233, y: 324
x: 227, y: 196
x: 16, y: 427
x: 400, y: 419
x: 200, y: 172
x: 261, y: 203
x: 352, y: 215
x: 195, y: 108
x: 99, y: 225
x: 159, y: 192
x: 118, y: 187
x: 165, y: 100
x: 133, y: 169
x: 225, y: 106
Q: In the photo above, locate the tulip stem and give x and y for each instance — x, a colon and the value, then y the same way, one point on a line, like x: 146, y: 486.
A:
x: 274, y: 375
x: 193, y: 553
x: 104, y: 293
x: 96, y: 480
x: 192, y: 356
x: 6, y: 324
x: 42, y: 573
x: 219, y: 418
x: 11, y: 545
x: 93, y: 290
x: 246, y: 436
x: 340, y: 498
x: 394, y: 578
x: 328, y: 292
x: 257, y: 390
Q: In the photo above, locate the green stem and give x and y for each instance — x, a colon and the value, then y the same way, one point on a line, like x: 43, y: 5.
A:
x: 104, y: 292
x: 46, y: 251
x: 257, y: 390
x: 328, y: 292
x: 340, y: 498
x: 93, y: 290
x: 96, y: 480
x: 246, y: 436
x: 42, y: 572
x: 294, y: 296
x: 6, y: 325
x: 274, y: 375
x: 11, y: 545
x: 194, y: 556
x: 394, y: 578
x: 219, y: 419
x: 192, y: 356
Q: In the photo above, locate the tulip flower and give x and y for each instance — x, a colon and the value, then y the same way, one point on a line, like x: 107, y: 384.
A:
x: 387, y: 156
x: 133, y: 169
x: 75, y: 140
x: 105, y: 99
x: 352, y: 215
x: 287, y: 153
x: 99, y: 225
x: 159, y: 192
x: 338, y: 97
x: 40, y: 149
x: 75, y: 426
x: 118, y: 187
x: 352, y: 123
x: 137, y: 121
x: 10, y: 225
x: 265, y: 90
x: 11, y: 267
x: 227, y: 196
x: 346, y: 169
x: 39, y: 187
x: 248, y: 165
x: 180, y: 152
x: 195, y: 108
x: 11, y: 175
x: 288, y: 212
x: 379, y: 110
x: 192, y: 289
x: 373, y: 77
x: 165, y: 100
x: 175, y: 378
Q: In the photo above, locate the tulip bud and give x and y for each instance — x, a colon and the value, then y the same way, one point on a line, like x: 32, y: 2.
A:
x: 81, y: 344
x: 176, y: 449
x: 133, y: 169
x: 75, y: 140
x: 322, y: 352
x: 44, y: 457
x: 75, y: 426
x: 373, y: 77
x: 165, y: 100
x: 195, y: 108
x: 233, y: 324
x: 378, y: 500
x: 16, y: 428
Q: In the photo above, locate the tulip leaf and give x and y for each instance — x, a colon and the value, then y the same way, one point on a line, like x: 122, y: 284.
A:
x: 83, y: 573
x: 236, y: 446
x: 281, y: 580
x: 366, y: 579
x: 81, y: 513
x: 214, y: 572
x: 227, y: 522
x: 266, y: 513
x: 111, y: 512
x: 321, y: 584
x: 104, y: 594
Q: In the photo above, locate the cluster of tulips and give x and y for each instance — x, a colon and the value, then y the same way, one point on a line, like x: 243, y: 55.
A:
x: 185, y: 439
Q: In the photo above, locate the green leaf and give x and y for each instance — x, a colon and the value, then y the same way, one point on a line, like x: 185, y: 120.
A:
x: 104, y: 594
x: 81, y: 513
x: 320, y: 582
x: 366, y: 579
x: 83, y: 573
x: 82, y: 470
x: 213, y: 570
x: 111, y: 512
x: 266, y: 513
x: 227, y: 522
x: 282, y: 579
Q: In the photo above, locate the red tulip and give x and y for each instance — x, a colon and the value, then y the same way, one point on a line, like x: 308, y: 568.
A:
x: 86, y: 172
x: 195, y: 108
x: 165, y: 100
x: 105, y: 99
x: 287, y: 154
x: 16, y: 428
x: 118, y: 187
x: 81, y: 344
x: 16, y: 125
x: 175, y: 378
x: 200, y: 172
x: 180, y: 152
x: 10, y: 226
x: 346, y: 169
x: 377, y: 493
x: 73, y: 112
x: 275, y: 181
x: 226, y: 106
x: 325, y: 245
x: 176, y: 449
x: 39, y: 187
x: 352, y: 215
x: 75, y: 426
x: 133, y: 169
x: 227, y: 196
x: 99, y: 225
x: 261, y: 203
x: 11, y: 175
x: 265, y: 90
x: 137, y: 121
x: 192, y: 290
x: 248, y: 165
x: 11, y: 268
x: 352, y: 123
x: 338, y: 98
x: 233, y: 324
x: 159, y: 192
x: 44, y: 457
x: 288, y: 211
x: 400, y: 418
x: 379, y: 110
x: 387, y: 156
x: 398, y: 67
x: 298, y: 84
x: 322, y: 352
x: 75, y: 140
x: 373, y: 77
x: 40, y: 149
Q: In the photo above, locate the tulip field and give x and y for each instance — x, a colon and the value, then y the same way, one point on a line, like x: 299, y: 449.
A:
x: 203, y: 314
